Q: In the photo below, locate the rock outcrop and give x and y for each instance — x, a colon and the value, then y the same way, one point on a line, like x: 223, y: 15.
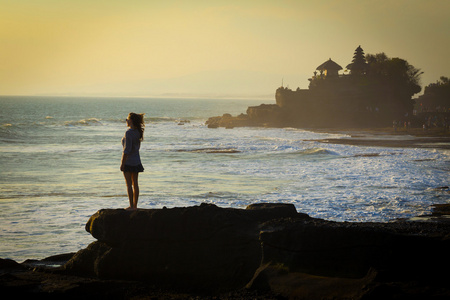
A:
x: 351, y: 260
x: 228, y: 121
x: 266, y: 251
x: 270, y: 115
x: 202, y: 247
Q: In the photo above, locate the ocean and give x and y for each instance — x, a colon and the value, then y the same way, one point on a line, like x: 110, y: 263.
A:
x: 60, y: 158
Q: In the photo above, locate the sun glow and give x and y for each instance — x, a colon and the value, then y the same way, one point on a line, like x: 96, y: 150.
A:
x: 149, y: 47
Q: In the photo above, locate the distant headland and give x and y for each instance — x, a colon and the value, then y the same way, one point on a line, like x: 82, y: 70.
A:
x: 373, y: 91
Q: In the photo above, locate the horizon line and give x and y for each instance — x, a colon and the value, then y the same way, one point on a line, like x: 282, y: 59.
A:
x: 164, y: 95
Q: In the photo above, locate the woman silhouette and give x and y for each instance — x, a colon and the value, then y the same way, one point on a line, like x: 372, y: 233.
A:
x: 131, y: 161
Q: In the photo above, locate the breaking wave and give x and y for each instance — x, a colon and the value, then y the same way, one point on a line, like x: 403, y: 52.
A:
x: 84, y: 122
x: 317, y: 151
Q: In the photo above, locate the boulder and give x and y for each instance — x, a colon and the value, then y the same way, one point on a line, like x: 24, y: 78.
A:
x: 265, y: 247
x: 266, y: 251
x: 269, y: 115
x: 8, y: 265
x: 203, y: 247
x: 313, y: 258
x: 229, y: 121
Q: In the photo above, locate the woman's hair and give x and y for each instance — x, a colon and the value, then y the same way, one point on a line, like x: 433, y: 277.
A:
x: 138, y: 123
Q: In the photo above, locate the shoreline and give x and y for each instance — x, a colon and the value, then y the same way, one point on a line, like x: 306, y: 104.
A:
x: 435, y: 138
x: 402, y: 137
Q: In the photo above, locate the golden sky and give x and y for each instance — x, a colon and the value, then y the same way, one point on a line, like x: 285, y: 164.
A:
x: 216, y: 48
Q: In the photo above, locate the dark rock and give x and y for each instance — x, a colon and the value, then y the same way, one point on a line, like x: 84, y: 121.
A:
x: 85, y: 262
x: 228, y: 121
x: 267, y: 251
x: 203, y: 246
x: 440, y: 213
x: 441, y: 209
x: 306, y: 255
x: 270, y: 115
x: 267, y: 115
x: 46, y: 284
x: 8, y: 265
x: 279, y: 279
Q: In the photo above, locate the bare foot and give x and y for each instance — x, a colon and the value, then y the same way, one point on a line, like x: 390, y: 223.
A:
x: 130, y: 208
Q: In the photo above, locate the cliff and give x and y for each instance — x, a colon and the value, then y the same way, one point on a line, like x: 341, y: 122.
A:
x: 340, y: 101
x: 376, y: 92
x: 332, y: 106
x: 266, y: 251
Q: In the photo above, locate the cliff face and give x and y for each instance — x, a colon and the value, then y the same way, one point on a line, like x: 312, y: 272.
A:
x: 333, y: 105
x: 307, y: 109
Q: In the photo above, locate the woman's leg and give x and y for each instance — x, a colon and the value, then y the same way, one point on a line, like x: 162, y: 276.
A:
x: 134, y: 178
x: 129, y: 182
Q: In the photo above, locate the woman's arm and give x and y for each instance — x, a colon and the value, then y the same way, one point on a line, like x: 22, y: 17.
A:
x: 124, y: 159
x: 127, y: 146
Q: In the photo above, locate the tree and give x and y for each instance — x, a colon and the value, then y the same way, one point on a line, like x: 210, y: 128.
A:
x: 393, y: 81
x: 395, y: 72
x: 436, y: 95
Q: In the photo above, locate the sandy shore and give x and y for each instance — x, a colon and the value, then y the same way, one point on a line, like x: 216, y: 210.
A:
x: 386, y: 137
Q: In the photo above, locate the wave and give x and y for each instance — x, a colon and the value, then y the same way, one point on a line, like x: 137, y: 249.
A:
x: 374, y: 154
x: 313, y: 152
x: 319, y: 151
x: 150, y: 120
x: 33, y: 195
x: 439, y: 189
x: 50, y: 121
x: 210, y: 150
x: 84, y: 122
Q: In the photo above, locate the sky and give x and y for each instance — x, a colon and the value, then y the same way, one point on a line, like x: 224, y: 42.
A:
x: 216, y: 48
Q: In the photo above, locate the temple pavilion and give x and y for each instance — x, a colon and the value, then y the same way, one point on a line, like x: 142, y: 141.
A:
x: 329, y: 68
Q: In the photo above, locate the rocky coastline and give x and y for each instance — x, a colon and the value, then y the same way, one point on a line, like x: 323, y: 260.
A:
x: 272, y: 116
x: 266, y: 251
